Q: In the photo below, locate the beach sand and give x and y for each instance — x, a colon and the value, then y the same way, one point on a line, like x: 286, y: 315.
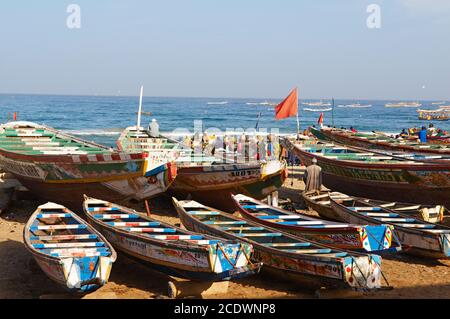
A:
x: 20, y: 277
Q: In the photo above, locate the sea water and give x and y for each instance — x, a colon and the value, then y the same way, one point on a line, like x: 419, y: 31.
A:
x: 102, y: 118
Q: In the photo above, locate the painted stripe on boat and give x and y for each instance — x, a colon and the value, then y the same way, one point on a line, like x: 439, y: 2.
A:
x: 151, y: 230
x: 399, y: 220
x: 226, y: 223
x: 415, y: 225
x: 243, y: 228
x: 379, y: 214
x: 255, y: 206
x: 64, y: 237
x: 205, y: 213
x: 310, y: 251
x: 204, y: 242
x: 367, y: 209
x: 56, y: 227
x: 260, y: 235
x: 118, y: 216
x: 53, y: 215
x: 266, y: 217
x: 102, y: 209
x: 69, y: 245
x: 133, y: 224
x: 177, y: 237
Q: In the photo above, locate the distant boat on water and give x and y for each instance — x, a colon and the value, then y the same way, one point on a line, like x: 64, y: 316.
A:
x: 217, y: 103
x: 356, y: 106
x: 403, y: 104
x: 307, y: 109
x: 438, y: 103
x: 321, y: 103
x: 261, y: 103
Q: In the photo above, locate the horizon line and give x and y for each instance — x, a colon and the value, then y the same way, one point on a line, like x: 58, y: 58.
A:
x: 210, y: 97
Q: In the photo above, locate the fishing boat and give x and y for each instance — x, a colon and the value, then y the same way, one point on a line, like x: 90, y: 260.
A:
x: 320, y: 201
x: 417, y: 236
x: 434, y: 115
x: 321, y: 103
x: 67, y: 249
x: 356, y: 106
x: 286, y: 254
x: 206, y: 178
x: 380, y: 141
x: 339, y: 235
x: 403, y: 104
x: 376, y: 175
x: 167, y: 248
x: 53, y: 165
x: 307, y: 109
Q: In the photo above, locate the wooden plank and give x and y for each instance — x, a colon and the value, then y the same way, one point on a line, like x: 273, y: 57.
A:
x: 117, y: 216
x: 69, y: 245
x: 260, y: 235
x: 396, y: 220
x: 57, y: 227
x: 203, y: 213
x: 225, y: 223
x: 269, y: 217
x: 281, y: 245
x: 178, y: 237
x: 133, y: 224
x: 63, y: 237
x: 151, y: 230
x: 53, y: 215
x: 309, y: 251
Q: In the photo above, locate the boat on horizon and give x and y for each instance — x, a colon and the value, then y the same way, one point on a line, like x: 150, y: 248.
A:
x: 355, y: 106
x: 321, y: 103
x: 403, y: 104
x: 317, y: 110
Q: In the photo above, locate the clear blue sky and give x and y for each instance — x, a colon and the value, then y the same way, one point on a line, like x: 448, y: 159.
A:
x: 227, y: 48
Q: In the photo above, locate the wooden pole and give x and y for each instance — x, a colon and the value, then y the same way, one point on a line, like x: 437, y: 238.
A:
x: 140, y: 109
x: 147, y: 207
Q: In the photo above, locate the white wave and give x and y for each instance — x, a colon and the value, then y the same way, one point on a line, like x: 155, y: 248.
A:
x: 95, y: 132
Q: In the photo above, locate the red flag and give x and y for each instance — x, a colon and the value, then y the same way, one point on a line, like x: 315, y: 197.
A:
x: 289, y: 107
x: 320, y: 121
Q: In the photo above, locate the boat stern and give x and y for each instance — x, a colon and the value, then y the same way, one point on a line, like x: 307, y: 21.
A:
x: 376, y: 237
x: 86, y: 274
x: 363, y: 272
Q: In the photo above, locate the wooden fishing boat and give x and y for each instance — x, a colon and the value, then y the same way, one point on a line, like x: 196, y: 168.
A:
x: 67, y: 249
x: 53, y: 165
x: 206, y: 178
x: 373, y: 175
x: 320, y: 202
x: 380, y: 141
x: 167, y: 248
x: 417, y: 236
x: 284, y: 253
x: 339, y: 235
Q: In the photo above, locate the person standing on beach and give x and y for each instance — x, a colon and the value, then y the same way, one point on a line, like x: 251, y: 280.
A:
x: 313, y: 177
x: 423, y: 135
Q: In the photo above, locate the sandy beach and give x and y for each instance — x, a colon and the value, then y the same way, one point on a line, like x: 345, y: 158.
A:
x: 20, y: 277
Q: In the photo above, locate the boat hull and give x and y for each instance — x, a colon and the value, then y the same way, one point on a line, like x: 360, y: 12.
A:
x: 336, y: 272
x: 413, y: 242
x: 421, y: 184
x: 212, y: 185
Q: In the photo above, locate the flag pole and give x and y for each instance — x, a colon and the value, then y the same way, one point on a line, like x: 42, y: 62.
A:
x: 140, y: 109
x: 298, y: 121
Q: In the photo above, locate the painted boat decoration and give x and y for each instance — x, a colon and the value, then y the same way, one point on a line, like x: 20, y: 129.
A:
x: 203, y: 177
x: 380, y: 141
x: 167, y: 248
x: 417, y: 236
x: 320, y: 201
x: 339, y: 235
x: 67, y: 249
x: 55, y: 165
x: 284, y: 253
x: 378, y: 176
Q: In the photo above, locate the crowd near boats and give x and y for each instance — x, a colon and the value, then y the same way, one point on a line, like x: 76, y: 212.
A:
x: 381, y: 194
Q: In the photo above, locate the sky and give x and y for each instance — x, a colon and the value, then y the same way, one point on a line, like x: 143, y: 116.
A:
x: 227, y: 48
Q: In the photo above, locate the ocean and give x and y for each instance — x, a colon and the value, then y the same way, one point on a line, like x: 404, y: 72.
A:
x: 102, y: 118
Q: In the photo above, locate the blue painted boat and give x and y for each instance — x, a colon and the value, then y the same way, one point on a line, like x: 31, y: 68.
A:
x: 363, y: 237
x: 167, y: 248
x: 67, y: 249
x: 284, y: 254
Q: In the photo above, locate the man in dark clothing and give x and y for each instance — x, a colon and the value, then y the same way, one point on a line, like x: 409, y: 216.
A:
x: 313, y: 177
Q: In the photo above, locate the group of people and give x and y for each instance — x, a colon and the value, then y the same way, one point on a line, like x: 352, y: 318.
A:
x: 422, y: 133
x: 249, y: 147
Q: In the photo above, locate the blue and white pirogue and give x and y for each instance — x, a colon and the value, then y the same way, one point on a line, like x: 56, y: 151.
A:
x: 67, y: 249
